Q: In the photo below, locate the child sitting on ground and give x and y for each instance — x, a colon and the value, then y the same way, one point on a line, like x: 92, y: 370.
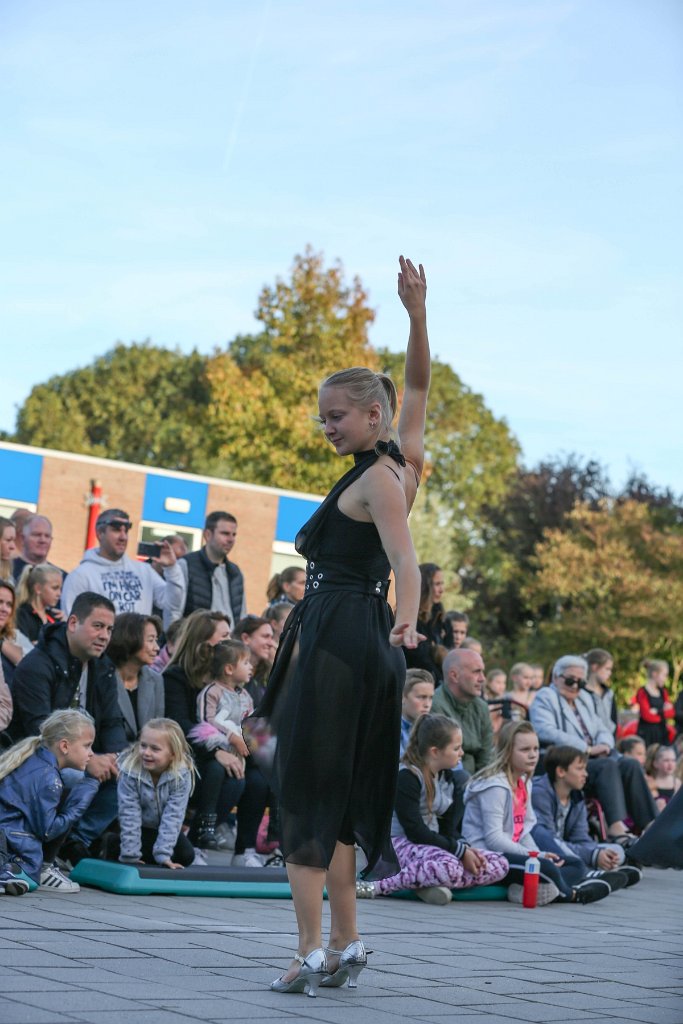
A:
x: 562, y: 820
x: 156, y: 777
x: 418, y: 693
x: 633, y: 746
x: 433, y: 856
x: 35, y: 817
x: 499, y: 816
x: 660, y: 772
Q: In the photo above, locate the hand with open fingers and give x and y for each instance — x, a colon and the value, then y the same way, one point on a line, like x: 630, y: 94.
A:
x: 412, y: 287
x: 172, y: 864
x: 405, y: 635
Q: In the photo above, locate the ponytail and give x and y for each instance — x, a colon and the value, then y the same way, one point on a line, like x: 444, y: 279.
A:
x: 60, y: 725
x: 428, y: 731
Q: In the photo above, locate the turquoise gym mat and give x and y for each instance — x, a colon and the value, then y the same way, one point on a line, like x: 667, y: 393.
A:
x: 249, y: 883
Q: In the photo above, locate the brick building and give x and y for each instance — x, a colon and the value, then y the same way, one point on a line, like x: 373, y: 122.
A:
x: 160, y: 502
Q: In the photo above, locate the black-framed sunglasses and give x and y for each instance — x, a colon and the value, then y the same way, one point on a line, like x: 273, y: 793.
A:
x: 572, y: 681
x: 117, y: 524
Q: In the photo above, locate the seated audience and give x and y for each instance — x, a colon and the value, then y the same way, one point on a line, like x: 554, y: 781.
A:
x: 13, y: 644
x: 425, y: 829
x: 37, y: 807
x: 212, y: 582
x: 459, y: 697
x: 562, y: 819
x: 133, y: 647
x: 563, y: 714
x: 657, y: 713
x: 68, y: 668
x: 431, y: 623
x: 8, y: 548
x: 257, y: 634
x: 38, y: 593
x: 277, y: 615
x: 224, y: 779
x: 460, y: 622
x: 6, y: 711
x: 286, y: 587
x: 660, y: 772
x: 521, y: 679
x: 166, y: 653
x: 499, y: 816
x: 418, y: 694
x: 35, y: 538
x: 599, y: 686
x: 156, y: 777
x: 501, y: 703
x: 131, y: 585
x: 538, y: 676
x: 633, y: 746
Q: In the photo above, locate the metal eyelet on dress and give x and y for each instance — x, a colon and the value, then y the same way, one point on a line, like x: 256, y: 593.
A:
x: 312, y: 565
x: 320, y: 575
x: 316, y: 584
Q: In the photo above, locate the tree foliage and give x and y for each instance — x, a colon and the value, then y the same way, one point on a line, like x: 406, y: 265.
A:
x: 265, y: 386
x: 139, y: 403
x: 613, y: 576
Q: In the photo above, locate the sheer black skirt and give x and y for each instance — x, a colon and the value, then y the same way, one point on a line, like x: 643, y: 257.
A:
x: 333, y: 708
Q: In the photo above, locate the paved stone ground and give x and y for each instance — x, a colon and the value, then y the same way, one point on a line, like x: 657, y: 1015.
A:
x: 104, y: 959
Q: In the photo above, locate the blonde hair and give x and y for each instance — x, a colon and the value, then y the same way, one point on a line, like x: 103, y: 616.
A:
x: 652, y: 665
x: 31, y: 577
x: 66, y: 724
x: 6, y: 564
x: 130, y: 760
x: 9, y: 630
x: 363, y: 387
x: 502, y: 762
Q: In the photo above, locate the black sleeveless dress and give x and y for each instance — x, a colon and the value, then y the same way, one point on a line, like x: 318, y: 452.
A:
x: 333, y: 700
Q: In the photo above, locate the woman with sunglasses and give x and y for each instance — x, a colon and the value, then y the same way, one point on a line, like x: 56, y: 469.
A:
x: 563, y: 714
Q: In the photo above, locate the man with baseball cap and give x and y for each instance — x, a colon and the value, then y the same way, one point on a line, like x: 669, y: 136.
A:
x: 130, y: 585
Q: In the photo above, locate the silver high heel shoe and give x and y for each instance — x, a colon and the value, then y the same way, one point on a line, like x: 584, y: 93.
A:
x: 352, y: 960
x: 313, y: 970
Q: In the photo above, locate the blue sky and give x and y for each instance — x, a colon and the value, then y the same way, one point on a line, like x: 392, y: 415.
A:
x: 162, y: 161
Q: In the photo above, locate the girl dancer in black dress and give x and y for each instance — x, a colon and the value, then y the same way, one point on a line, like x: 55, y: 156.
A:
x: 334, y: 694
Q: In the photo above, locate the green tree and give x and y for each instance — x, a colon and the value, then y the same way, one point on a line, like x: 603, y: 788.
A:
x: 613, y: 578
x: 470, y: 459
x: 138, y: 402
x: 265, y: 386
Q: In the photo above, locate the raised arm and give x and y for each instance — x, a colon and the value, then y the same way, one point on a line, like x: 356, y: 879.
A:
x: 412, y: 290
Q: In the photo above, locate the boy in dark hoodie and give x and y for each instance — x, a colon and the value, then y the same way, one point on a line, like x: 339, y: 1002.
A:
x: 562, y: 819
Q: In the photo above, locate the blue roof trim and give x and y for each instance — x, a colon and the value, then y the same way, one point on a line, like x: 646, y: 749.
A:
x: 20, y: 475
x: 159, y: 488
x: 292, y: 513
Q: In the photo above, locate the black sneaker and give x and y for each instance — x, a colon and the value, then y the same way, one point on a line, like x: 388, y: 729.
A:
x: 615, y: 879
x: 591, y: 891
x: 632, y: 873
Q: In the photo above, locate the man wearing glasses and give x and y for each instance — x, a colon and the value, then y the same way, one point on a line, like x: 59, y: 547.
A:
x: 564, y: 715
x: 130, y: 585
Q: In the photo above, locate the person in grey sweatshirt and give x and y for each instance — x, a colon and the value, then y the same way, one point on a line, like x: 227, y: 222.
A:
x: 156, y: 777
x: 499, y: 815
x: 130, y: 585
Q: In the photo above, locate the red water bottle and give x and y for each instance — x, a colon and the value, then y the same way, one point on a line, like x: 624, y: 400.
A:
x: 532, y: 872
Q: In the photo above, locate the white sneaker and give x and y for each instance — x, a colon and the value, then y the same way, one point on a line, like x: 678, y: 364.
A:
x: 437, y: 895
x: 547, y: 893
x: 52, y: 879
x: 248, y: 859
x: 225, y: 836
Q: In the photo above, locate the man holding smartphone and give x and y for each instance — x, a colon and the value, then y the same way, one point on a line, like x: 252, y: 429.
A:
x: 130, y: 585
